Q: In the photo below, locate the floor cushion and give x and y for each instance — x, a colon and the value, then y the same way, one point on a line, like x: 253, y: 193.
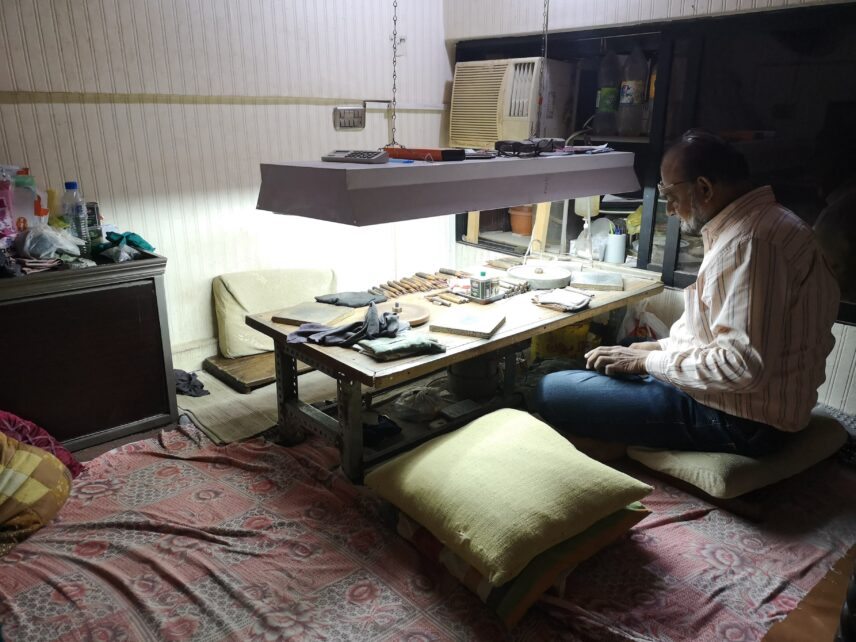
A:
x: 726, y: 476
x: 501, y: 490
x: 241, y: 293
x: 513, y: 599
x: 33, y: 487
x: 34, y: 435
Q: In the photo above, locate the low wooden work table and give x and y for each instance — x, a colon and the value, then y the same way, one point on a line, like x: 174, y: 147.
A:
x: 352, y: 370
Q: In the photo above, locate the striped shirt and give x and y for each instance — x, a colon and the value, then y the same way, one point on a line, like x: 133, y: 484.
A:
x: 757, y: 323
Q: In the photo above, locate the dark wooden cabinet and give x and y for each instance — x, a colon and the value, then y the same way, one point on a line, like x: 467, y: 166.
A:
x: 770, y: 81
x: 86, y: 352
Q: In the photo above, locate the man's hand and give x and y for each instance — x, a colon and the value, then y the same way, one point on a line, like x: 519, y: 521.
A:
x: 613, y: 360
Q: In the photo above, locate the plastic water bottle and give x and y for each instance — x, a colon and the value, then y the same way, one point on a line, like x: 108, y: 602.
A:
x: 632, y: 96
x: 74, y: 213
x: 608, y: 83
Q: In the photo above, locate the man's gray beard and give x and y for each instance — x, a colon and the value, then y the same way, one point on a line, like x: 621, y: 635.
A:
x: 696, y: 221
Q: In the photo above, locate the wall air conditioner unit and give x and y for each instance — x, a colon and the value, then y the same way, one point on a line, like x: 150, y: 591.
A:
x: 497, y: 100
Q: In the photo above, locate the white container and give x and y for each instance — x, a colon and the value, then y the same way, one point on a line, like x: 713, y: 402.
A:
x: 74, y: 213
x: 616, y: 248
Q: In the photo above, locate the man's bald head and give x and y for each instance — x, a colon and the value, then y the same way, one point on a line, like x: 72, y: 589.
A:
x: 701, y: 153
x: 701, y: 175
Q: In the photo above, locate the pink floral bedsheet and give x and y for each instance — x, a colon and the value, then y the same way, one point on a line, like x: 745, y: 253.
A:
x: 178, y: 539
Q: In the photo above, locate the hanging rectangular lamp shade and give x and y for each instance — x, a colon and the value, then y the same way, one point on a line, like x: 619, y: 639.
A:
x: 360, y: 195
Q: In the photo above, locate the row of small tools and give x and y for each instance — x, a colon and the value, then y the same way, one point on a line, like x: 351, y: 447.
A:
x: 436, y: 287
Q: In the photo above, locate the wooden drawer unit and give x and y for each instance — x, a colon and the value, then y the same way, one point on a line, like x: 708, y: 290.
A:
x: 86, y: 353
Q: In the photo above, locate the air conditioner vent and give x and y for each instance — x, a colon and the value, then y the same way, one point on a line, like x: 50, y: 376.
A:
x: 475, y: 95
x: 522, y: 76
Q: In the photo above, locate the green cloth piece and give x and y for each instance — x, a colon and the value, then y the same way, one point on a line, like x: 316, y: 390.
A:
x: 131, y: 238
x: 390, y: 348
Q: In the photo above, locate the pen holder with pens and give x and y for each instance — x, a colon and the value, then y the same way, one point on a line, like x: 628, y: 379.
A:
x: 616, y: 248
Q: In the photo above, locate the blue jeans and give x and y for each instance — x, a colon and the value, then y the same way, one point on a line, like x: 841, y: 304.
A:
x: 642, y: 411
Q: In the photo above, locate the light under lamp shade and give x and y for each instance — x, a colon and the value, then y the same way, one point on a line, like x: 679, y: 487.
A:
x: 359, y: 195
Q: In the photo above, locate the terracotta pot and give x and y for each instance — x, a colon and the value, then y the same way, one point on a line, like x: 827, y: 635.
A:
x: 521, y: 219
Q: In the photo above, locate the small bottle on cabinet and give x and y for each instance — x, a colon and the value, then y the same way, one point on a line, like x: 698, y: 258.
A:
x: 74, y: 213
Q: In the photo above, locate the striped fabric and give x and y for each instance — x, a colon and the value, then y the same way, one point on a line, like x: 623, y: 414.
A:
x: 547, y: 570
x: 757, y: 323
x: 33, y: 487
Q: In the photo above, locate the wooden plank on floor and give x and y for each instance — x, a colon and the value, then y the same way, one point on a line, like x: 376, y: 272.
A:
x: 245, y: 374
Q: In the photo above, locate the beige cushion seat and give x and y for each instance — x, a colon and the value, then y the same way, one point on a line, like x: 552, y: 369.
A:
x: 239, y: 294
x: 726, y: 476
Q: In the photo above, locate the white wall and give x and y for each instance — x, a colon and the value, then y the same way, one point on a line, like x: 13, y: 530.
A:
x: 466, y: 19
x: 163, y: 109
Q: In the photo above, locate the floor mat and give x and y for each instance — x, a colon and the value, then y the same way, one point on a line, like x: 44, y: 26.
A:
x: 174, y: 538
x: 227, y: 416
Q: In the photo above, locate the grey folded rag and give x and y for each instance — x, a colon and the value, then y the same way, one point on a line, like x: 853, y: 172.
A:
x: 406, y: 345
x: 372, y: 326
x: 351, y: 299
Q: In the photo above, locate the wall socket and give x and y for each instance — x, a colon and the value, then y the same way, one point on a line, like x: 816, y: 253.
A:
x: 351, y: 117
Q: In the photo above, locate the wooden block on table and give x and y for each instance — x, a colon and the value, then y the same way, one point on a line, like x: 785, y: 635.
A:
x: 313, y: 312
x: 472, y: 323
x: 594, y: 280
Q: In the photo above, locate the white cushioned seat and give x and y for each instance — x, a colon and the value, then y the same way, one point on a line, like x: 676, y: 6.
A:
x: 241, y: 293
x: 726, y: 476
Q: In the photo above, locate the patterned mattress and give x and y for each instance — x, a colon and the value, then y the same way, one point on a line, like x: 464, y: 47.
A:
x: 178, y: 539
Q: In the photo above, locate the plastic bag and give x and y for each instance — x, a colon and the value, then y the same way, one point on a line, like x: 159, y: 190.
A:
x: 45, y: 242
x: 642, y: 324
x: 421, y: 404
x: 120, y: 253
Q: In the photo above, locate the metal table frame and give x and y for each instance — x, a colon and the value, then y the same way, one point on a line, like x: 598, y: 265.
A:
x: 296, y: 417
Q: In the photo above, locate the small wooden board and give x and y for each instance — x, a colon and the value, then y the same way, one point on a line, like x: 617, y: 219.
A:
x: 472, y: 323
x: 313, y: 312
x: 245, y: 374
x: 594, y: 280
x: 413, y: 313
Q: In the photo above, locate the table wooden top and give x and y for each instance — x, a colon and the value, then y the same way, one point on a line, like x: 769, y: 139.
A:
x: 523, y: 320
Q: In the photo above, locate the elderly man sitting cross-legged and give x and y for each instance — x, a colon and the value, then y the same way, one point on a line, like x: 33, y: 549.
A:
x: 741, y: 367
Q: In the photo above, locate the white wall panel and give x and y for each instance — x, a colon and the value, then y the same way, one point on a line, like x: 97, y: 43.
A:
x: 182, y: 99
x: 466, y: 19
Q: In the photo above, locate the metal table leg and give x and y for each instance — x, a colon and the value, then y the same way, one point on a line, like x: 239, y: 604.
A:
x: 286, y: 390
x: 351, y: 424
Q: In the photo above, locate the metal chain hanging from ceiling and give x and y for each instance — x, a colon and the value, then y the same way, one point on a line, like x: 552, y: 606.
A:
x: 546, y: 18
x: 393, y: 142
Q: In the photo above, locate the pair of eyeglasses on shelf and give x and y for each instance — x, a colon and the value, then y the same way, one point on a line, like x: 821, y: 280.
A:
x: 524, y: 148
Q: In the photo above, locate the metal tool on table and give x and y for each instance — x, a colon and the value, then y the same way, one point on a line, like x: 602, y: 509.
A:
x: 457, y: 273
x: 437, y: 301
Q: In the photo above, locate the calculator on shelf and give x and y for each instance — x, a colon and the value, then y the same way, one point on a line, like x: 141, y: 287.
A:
x: 356, y: 156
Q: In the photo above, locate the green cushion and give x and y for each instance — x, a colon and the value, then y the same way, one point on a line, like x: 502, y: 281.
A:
x: 726, y: 476
x: 503, y: 489
x: 512, y: 600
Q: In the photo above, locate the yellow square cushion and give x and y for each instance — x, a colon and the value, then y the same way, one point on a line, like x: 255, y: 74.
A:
x: 725, y: 476
x: 503, y: 489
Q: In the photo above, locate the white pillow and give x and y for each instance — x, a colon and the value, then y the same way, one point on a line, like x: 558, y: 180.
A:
x: 241, y: 293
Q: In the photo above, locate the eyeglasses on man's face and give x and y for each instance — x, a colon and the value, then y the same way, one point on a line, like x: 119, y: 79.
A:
x: 666, y: 191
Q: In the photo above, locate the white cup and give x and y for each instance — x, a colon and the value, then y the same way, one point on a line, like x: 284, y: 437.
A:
x: 616, y: 248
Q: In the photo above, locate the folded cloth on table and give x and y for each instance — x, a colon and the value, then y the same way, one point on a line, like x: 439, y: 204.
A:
x: 351, y: 299
x: 562, y: 300
x: 387, y: 349
x: 371, y: 327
